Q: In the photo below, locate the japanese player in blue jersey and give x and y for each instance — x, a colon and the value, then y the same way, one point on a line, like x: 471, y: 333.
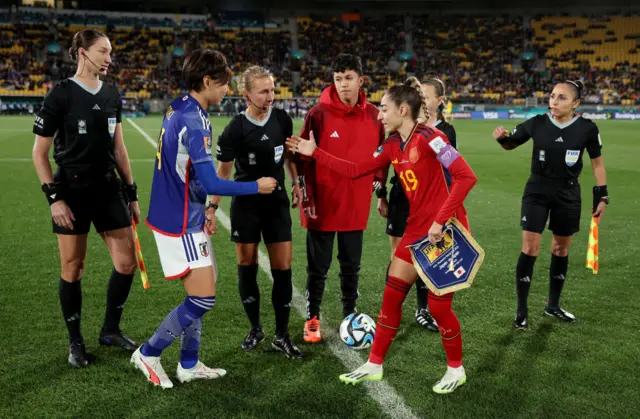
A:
x: 184, y: 174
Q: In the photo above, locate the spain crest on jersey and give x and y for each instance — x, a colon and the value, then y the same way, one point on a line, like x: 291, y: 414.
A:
x: 450, y: 265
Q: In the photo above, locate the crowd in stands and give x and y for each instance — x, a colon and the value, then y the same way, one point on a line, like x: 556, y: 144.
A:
x: 479, y: 56
x: 376, y: 40
x: 483, y: 59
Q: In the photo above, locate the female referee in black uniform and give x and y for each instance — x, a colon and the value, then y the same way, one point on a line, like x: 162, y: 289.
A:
x: 81, y: 116
x: 396, y: 210
x: 255, y: 140
x: 553, y: 192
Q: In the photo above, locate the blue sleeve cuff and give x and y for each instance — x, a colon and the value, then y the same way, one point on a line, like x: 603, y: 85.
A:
x: 213, y: 185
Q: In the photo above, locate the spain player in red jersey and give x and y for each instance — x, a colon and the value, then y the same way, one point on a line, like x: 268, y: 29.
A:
x: 436, y: 181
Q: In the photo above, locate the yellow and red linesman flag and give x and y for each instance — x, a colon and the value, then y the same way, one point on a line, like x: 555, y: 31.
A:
x: 143, y: 268
x: 592, y: 248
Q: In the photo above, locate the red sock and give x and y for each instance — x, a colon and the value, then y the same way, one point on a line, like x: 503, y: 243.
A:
x: 440, y: 308
x: 389, y: 320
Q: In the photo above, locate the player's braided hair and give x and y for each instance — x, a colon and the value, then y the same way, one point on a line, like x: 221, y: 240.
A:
x: 252, y: 73
x: 415, y: 83
x: 439, y: 87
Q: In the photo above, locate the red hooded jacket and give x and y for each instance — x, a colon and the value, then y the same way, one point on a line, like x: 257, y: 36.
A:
x: 350, y: 133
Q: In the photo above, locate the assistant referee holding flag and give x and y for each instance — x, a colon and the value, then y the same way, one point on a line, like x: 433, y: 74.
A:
x: 81, y: 116
x: 553, y: 192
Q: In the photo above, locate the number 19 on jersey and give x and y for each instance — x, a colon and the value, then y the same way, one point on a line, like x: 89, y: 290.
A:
x: 409, y: 180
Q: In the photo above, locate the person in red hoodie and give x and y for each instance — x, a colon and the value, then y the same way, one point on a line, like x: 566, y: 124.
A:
x: 345, y: 125
x: 437, y: 180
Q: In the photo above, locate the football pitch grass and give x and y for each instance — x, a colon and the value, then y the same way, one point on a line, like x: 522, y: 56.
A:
x: 586, y: 369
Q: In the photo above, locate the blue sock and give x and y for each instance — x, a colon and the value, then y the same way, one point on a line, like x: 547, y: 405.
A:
x: 180, y: 318
x: 190, y: 344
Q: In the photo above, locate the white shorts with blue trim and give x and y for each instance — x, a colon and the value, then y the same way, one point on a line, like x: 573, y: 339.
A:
x: 180, y: 254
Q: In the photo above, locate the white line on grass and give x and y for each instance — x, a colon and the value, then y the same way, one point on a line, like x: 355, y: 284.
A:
x: 144, y: 134
x: 28, y: 160
x: 392, y: 403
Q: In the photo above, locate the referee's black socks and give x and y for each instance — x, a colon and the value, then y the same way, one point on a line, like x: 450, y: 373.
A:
x: 249, y: 293
x: 117, y: 293
x: 71, y: 303
x: 557, y: 276
x: 524, y: 274
x: 421, y: 294
x: 281, y: 296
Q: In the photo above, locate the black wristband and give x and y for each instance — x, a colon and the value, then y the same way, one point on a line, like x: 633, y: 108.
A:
x: 130, y: 192
x: 600, y: 193
x: 52, y: 192
x: 381, y: 192
x: 212, y: 205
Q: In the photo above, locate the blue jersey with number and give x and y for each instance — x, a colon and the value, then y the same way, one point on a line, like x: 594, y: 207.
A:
x: 178, y: 198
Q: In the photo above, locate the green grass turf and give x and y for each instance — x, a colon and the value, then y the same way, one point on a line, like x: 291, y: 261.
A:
x: 586, y: 369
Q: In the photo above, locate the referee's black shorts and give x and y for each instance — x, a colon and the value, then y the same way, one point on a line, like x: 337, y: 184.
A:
x: 398, y: 211
x: 256, y: 215
x: 100, y: 202
x: 557, y: 201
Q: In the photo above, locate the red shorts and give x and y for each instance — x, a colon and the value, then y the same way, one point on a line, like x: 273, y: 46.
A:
x: 402, y: 251
x: 412, y: 234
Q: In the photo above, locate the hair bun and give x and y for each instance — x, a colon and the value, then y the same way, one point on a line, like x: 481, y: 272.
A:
x: 412, y: 82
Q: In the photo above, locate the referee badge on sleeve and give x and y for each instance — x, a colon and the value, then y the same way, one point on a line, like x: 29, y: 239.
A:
x: 112, y: 126
x: 452, y: 264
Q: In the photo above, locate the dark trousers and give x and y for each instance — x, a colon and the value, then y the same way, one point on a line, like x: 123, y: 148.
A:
x: 319, y: 256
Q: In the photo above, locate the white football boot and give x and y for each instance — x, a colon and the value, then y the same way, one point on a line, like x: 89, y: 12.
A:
x: 452, y: 379
x: 151, y: 368
x: 199, y: 372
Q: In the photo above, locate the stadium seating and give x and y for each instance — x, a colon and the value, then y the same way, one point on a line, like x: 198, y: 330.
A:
x: 376, y: 41
x: 481, y: 58
x: 604, y: 50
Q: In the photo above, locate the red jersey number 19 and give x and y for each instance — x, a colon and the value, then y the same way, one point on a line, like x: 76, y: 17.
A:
x: 409, y: 180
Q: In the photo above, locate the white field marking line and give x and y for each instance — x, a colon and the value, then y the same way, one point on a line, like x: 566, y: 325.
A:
x: 385, y: 395
x: 27, y: 160
x: 28, y: 131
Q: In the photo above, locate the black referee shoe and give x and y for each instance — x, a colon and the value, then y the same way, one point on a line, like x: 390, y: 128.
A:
x: 521, y: 322
x: 284, y: 345
x: 78, y: 357
x: 252, y: 340
x: 560, y: 314
x: 117, y: 339
x: 425, y: 319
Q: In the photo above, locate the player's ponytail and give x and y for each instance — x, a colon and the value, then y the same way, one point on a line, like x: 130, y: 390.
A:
x: 73, y: 53
x: 415, y: 83
x: 441, y: 111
